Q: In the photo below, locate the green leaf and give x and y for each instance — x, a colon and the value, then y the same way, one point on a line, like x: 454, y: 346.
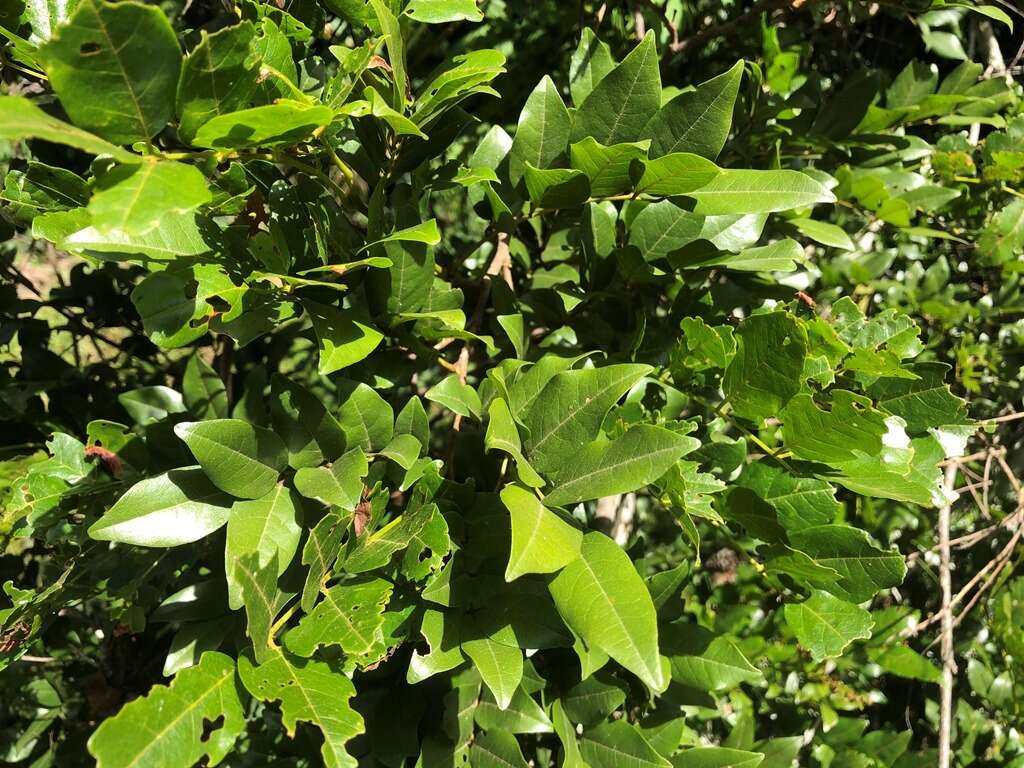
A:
x: 503, y: 435
x: 826, y: 625
x: 605, y: 468
x: 392, y: 32
x: 263, y: 601
x: 716, y: 757
x: 204, y: 391
x: 592, y: 700
x: 339, y: 484
x: 239, y: 458
x: 319, y: 553
x: 767, y: 370
x: 443, y: 11
x: 543, y: 131
x: 457, y: 396
x: 376, y: 549
x: 541, y: 541
x: 343, y: 339
x: 425, y: 232
x: 923, y: 403
x: 310, y: 691
x: 907, y: 663
x: 823, y: 232
x: 568, y: 411
x: 619, y: 743
x: 749, y: 191
x: 311, y: 435
x: 115, y: 67
x: 603, y: 600
x: 500, y: 666
x: 556, y: 187
x: 350, y: 616
x: 663, y: 228
x: 708, y: 663
x: 21, y: 119
x: 269, y: 528
x: 165, y: 728
x: 177, y: 507
x: 619, y: 106
x: 609, y: 169
x: 698, y: 120
x: 365, y: 417
x: 219, y: 76
x: 148, y: 405
x: 679, y: 173
x: 864, y: 568
x: 496, y: 749
x: 799, y: 502
x: 591, y: 61
x: 134, y: 199
x: 176, y: 236
x: 284, y: 122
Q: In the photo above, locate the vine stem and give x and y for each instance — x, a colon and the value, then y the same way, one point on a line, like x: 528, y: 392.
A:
x: 948, y: 660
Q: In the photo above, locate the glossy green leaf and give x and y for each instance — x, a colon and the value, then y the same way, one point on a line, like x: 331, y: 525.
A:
x: 309, y: 691
x: 343, y: 339
x: 115, y: 67
x: 284, y: 122
x: 640, y: 456
x: 503, y: 435
x: 164, y: 729
x: 826, y: 625
x: 134, y: 199
x: 619, y: 106
x: 500, y: 666
x: 268, y: 527
x: 456, y: 396
x: 863, y: 567
x: 543, y: 131
x: 21, y: 119
x: 591, y: 61
x: 610, y: 170
x: 496, y: 749
x: 239, y: 458
x: 619, y: 743
x: 679, y: 173
x: 696, y: 121
x: 541, y: 541
x: 443, y: 11
x: 177, y: 507
x: 339, y: 484
x: 568, y: 411
x: 749, y: 191
x: 349, y: 616
x: 604, y: 600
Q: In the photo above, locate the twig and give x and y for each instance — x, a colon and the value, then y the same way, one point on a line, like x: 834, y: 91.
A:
x: 948, y: 660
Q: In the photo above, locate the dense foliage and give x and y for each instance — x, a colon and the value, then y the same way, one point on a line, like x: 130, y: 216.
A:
x: 443, y: 383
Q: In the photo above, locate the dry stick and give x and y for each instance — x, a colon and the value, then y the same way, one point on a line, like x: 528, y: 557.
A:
x: 948, y: 662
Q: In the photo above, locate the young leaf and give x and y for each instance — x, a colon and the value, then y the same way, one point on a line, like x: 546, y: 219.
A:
x: 177, y: 507
x: 239, y: 458
x: 284, y: 122
x: 166, y: 727
x: 456, y: 396
x: 115, y: 67
x: 443, y: 11
x: 603, y: 600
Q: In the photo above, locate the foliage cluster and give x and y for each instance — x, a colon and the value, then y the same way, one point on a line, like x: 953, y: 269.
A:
x: 443, y: 383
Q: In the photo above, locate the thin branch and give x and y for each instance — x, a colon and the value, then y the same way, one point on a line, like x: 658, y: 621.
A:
x: 948, y: 660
